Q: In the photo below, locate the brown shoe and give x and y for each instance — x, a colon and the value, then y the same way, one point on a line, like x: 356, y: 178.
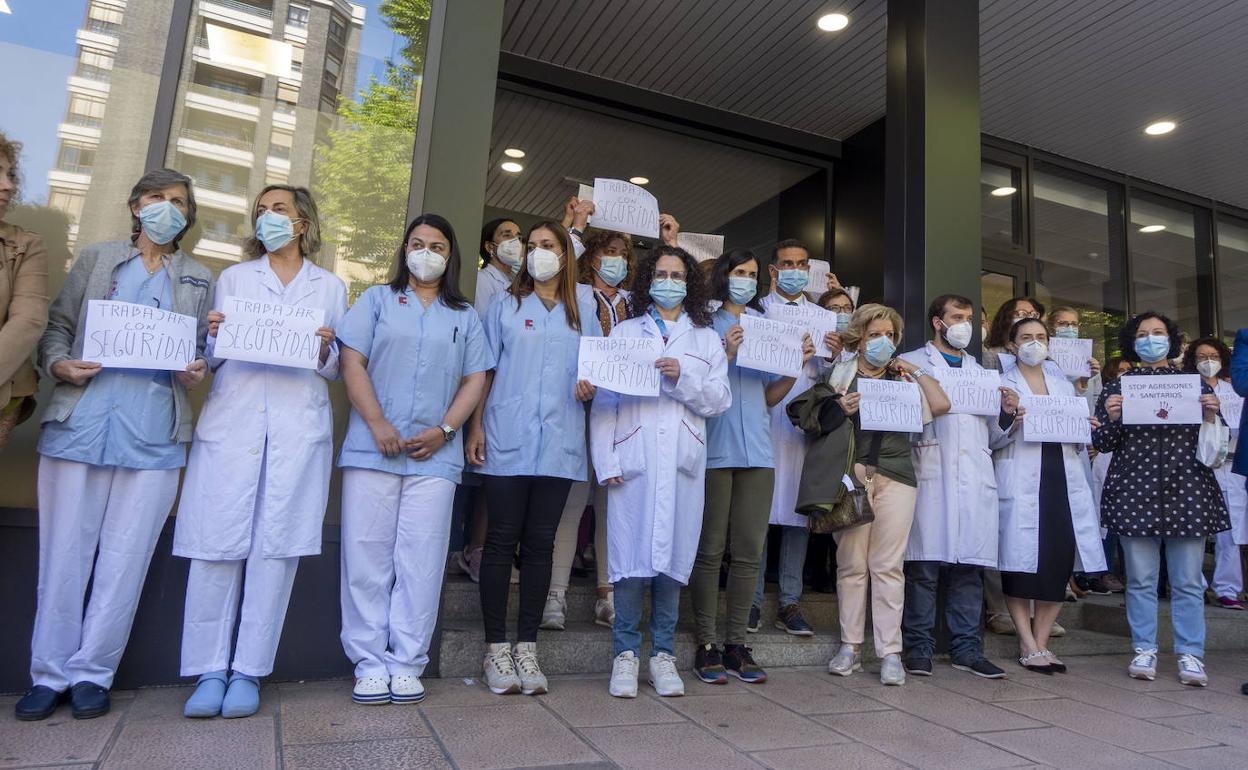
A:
x: 1001, y: 624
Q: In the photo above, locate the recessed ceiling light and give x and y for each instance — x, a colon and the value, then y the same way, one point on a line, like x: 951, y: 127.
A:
x: 1160, y: 127
x: 1002, y: 192
x: 1152, y: 228
x: 512, y: 168
x: 638, y: 180
x: 513, y: 152
x: 833, y: 22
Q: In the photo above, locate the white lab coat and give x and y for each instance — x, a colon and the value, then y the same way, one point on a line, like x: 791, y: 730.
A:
x: 1233, y: 487
x: 955, y: 515
x: 1018, y: 481
x: 275, y: 417
x: 788, y: 444
x: 658, y: 446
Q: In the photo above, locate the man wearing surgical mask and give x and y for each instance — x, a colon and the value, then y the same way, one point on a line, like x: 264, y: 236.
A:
x: 1064, y: 324
x: 113, y: 444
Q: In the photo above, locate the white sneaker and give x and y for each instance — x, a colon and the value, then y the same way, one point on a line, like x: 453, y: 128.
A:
x: 532, y: 680
x: 891, y: 670
x: 500, y: 670
x: 624, y: 675
x: 663, y: 676
x: 406, y: 688
x: 1143, y: 665
x: 1192, y: 671
x: 555, y: 613
x: 469, y: 562
x: 846, y: 661
x: 371, y: 691
x: 604, y: 610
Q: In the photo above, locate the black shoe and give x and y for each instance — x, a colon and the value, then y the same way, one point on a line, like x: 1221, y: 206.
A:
x: 918, y: 665
x: 981, y: 667
x: 790, y: 621
x: 1244, y: 688
x: 708, y: 665
x: 740, y: 663
x: 38, y: 703
x: 88, y: 700
x: 755, y: 620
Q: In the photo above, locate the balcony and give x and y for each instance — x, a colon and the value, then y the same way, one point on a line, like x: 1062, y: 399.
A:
x: 221, y: 194
x: 226, y: 148
x: 223, y: 246
x: 233, y: 141
x: 92, y: 72
x: 231, y: 101
x: 100, y: 27
x: 239, y: 14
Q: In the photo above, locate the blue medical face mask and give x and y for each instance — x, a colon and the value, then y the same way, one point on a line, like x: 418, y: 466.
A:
x: 274, y: 230
x: 842, y: 322
x: 612, y: 270
x: 741, y: 289
x: 879, y: 351
x: 1152, y: 348
x: 667, y: 292
x: 1067, y: 332
x: 793, y: 281
x: 161, y: 221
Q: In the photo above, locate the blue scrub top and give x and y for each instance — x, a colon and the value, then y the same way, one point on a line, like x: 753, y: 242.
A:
x: 417, y: 356
x: 125, y: 417
x: 534, y: 426
x: 741, y: 436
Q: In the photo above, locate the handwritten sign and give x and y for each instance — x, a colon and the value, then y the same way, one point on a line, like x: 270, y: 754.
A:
x: 1232, y: 409
x: 623, y: 206
x: 971, y: 391
x: 1162, y: 399
x: 813, y: 319
x: 701, y: 246
x: 1062, y: 419
x: 123, y: 335
x: 771, y: 346
x: 269, y: 333
x: 585, y: 192
x: 818, y: 283
x: 621, y: 364
x: 1072, y: 356
x: 890, y: 405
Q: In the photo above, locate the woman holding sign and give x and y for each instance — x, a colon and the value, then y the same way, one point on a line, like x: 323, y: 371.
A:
x: 528, y: 439
x: 1160, y: 489
x: 1049, y: 522
x: 258, y: 478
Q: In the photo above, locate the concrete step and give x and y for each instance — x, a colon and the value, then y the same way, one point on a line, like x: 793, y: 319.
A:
x: 1225, y: 630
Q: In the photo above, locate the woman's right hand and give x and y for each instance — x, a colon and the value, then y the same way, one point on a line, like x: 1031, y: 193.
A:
x: 75, y: 371
x: 215, y: 319
x: 1113, y: 407
x: 474, y: 447
x: 389, y: 442
x: 732, y: 341
x: 849, y: 403
x: 615, y: 481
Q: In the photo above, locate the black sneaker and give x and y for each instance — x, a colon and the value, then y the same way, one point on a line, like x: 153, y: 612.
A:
x: 740, y: 663
x: 790, y: 621
x: 88, y: 700
x: 709, y: 665
x: 38, y: 703
x: 918, y: 665
x: 755, y: 620
x: 981, y: 667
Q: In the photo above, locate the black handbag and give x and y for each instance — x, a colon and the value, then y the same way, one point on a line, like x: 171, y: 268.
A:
x: 851, y: 508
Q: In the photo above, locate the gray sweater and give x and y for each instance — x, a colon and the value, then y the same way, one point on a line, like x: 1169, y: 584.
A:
x: 91, y: 277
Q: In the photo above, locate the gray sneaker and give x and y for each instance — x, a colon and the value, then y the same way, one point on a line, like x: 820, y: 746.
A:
x: 846, y: 661
x: 891, y: 670
x: 532, y: 680
x: 500, y: 670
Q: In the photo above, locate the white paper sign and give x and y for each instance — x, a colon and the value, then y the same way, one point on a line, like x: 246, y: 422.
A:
x: 1062, y: 419
x: 1072, y: 356
x: 1162, y: 399
x: 1232, y: 409
x: 623, y: 206
x: 621, y: 364
x: 585, y: 192
x: 269, y: 333
x: 123, y: 335
x: 971, y: 391
x: 770, y: 346
x: 818, y: 283
x: 701, y: 246
x: 816, y: 322
x: 890, y: 405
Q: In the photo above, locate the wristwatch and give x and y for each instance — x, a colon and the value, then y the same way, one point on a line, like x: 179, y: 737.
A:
x: 920, y: 372
x: 577, y: 232
x: 448, y: 432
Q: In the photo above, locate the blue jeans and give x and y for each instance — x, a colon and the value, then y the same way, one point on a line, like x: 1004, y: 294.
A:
x: 1187, y: 594
x: 964, y: 601
x: 630, y: 599
x: 793, y: 542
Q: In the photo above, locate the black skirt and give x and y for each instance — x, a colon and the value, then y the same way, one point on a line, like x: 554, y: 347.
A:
x: 1056, y: 559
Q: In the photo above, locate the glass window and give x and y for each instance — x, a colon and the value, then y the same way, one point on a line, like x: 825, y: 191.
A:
x: 86, y: 111
x: 297, y: 16
x: 1163, y: 237
x: 1233, y: 275
x: 1000, y: 203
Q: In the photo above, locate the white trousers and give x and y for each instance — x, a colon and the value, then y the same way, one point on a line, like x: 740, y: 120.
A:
x: 395, y: 535
x: 569, y: 531
x: 1228, y: 571
x: 83, y: 507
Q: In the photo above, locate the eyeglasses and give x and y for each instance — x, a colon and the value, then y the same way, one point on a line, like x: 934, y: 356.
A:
x: 678, y: 275
x: 841, y: 308
x: 1024, y: 314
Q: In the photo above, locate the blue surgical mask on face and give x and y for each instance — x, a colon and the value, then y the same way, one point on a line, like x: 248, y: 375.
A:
x: 793, y: 281
x: 741, y: 289
x: 274, y: 230
x: 1067, y: 332
x: 842, y: 322
x: 1152, y: 348
x: 667, y: 293
x: 161, y: 221
x: 879, y: 351
x: 612, y: 270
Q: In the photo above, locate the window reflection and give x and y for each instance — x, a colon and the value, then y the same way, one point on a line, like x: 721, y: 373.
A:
x: 1000, y: 203
x: 1162, y: 236
x: 1233, y: 275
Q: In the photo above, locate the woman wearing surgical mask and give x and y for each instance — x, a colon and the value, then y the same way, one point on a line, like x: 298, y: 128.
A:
x: 254, y: 497
x: 1064, y: 324
x: 414, y: 358
x: 528, y: 439
x: 1014, y: 309
x: 1158, y: 490
x: 840, y: 302
x: 113, y: 445
x: 651, y: 453
x: 1049, y: 522
x: 884, y: 466
x: 603, y: 270
x: 1211, y: 359
x: 740, y: 475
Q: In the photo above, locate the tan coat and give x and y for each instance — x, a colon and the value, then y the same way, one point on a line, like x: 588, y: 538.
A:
x: 23, y: 308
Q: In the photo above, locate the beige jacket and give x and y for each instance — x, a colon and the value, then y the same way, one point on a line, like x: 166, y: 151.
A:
x: 23, y: 308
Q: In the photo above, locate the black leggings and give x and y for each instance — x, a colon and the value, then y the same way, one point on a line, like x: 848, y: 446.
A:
x: 524, y: 511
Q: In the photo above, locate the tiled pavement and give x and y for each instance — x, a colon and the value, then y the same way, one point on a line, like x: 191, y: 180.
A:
x: 1093, y: 717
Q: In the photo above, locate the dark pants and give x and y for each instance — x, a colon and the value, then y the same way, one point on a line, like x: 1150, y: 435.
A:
x: 524, y: 511
x: 964, y: 601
